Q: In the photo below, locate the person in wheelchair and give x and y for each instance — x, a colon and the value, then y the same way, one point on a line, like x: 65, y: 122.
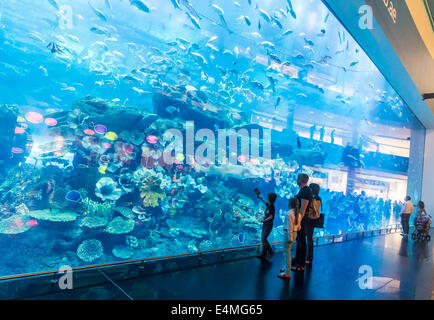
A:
x: 422, y: 223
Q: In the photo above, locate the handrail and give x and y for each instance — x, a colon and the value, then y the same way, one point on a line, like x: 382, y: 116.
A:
x: 111, y: 264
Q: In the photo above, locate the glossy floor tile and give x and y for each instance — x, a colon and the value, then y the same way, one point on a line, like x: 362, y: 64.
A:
x: 401, y: 269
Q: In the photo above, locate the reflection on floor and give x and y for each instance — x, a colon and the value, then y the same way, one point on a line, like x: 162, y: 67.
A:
x: 401, y: 269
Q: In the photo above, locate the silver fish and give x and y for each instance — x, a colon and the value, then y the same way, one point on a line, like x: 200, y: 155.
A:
x: 182, y: 40
x: 283, y: 13
x: 190, y: 8
x: 221, y: 13
x: 291, y: 9
x: 256, y: 35
x: 246, y: 20
x: 199, y: 57
x: 141, y: 5
x: 100, y: 30
x: 287, y: 32
x: 73, y: 38
x: 277, y: 22
x: 256, y: 84
x: 54, y: 4
x: 131, y: 79
x: 193, y: 20
x: 218, y: 9
x: 172, y: 109
x: 264, y: 14
x: 268, y: 44
x: 274, y: 57
x: 176, y: 4
x: 98, y: 13
x: 309, y: 42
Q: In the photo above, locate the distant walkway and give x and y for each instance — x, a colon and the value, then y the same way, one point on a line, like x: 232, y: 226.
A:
x: 402, y: 269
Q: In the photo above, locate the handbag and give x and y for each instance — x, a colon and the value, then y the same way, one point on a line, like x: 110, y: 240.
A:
x: 319, y: 223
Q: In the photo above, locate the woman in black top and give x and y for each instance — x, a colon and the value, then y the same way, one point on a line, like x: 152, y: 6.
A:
x: 304, y: 197
x: 310, y: 226
x: 267, y: 223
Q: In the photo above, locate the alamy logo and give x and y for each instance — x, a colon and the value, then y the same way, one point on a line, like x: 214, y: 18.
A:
x: 366, y: 20
x: 366, y: 276
x: 65, y: 17
x: 67, y: 279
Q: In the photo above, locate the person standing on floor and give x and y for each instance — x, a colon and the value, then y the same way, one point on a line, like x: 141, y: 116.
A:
x: 332, y: 136
x: 290, y: 227
x: 406, y: 212
x: 321, y: 133
x: 267, y: 224
x: 312, y: 131
x: 305, y: 198
x: 312, y: 220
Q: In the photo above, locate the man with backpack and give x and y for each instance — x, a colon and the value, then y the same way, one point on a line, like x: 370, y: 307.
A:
x: 305, y: 198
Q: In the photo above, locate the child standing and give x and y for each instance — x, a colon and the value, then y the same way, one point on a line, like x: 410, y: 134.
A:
x: 267, y: 224
x: 290, y: 228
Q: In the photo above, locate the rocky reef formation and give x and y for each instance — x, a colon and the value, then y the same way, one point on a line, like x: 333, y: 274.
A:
x: 204, y: 114
x: 115, y: 116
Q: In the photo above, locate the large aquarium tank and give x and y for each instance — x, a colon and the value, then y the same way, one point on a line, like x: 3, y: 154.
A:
x: 132, y: 129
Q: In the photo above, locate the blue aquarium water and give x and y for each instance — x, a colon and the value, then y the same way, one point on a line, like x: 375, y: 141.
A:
x: 114, y: 119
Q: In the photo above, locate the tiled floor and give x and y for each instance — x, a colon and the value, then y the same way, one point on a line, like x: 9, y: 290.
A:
x: 401, y: 269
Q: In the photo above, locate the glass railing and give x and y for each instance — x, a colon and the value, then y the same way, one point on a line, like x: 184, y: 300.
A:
x: 318, y: 241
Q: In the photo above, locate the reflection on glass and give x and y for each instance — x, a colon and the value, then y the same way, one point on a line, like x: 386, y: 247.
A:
x: 94, y: 93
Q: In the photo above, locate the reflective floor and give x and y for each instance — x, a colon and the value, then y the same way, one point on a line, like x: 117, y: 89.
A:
x: 401, y: 269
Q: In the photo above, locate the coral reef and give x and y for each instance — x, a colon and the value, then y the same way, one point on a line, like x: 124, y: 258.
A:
x: 107, y: 189
x: 94, y: 221
x: 54, y: 215
x: 90, y: 250
x: 126, y: 212
x: 14, y: 225
x: 96, y: 208
x: 118, y: 187
x: 151, y: 192
x: 132, y: 241
x: 123, y: 252
x: 120, y: 225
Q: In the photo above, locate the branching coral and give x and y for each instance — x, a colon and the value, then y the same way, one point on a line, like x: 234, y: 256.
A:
x: 95, y: 208
x: 151, y: 193
x: 132, y: 241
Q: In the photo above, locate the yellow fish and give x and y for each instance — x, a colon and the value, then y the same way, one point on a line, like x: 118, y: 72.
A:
x: 102, y: 169
x: 111, y: 136
x: 180, y: 157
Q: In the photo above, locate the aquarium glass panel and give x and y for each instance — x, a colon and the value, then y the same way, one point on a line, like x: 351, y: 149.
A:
x: 133, y: 129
